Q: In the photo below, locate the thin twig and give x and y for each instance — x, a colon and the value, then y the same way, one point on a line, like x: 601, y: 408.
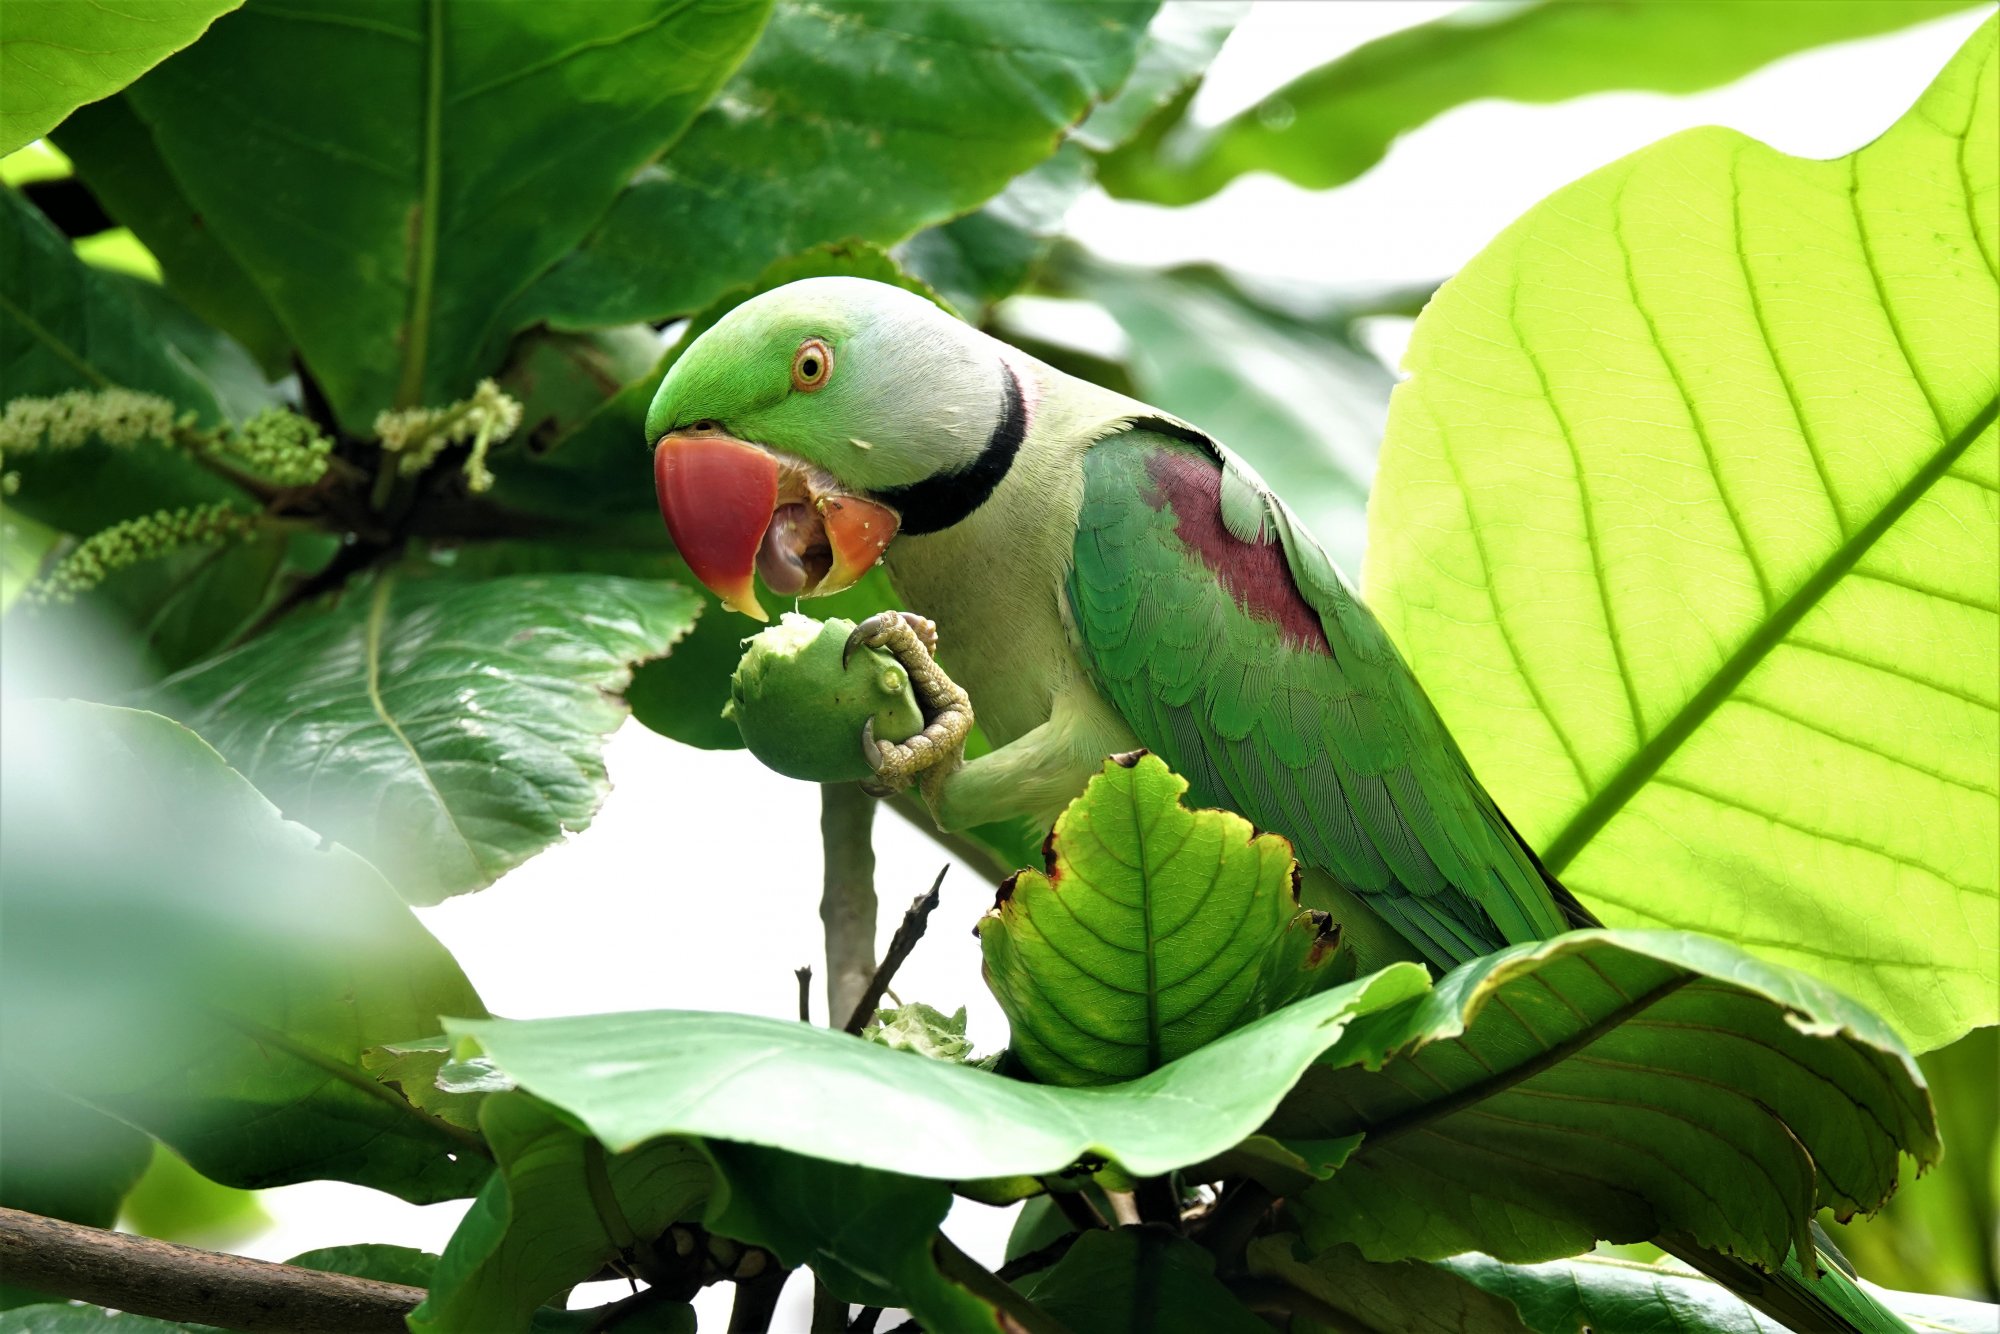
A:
x: 847, y: 898
x: 1158, y: 1202
x: 988, y: 1287
x: 805, y: 976
x: 829, y: 1313
x: 158, y: 1278
x: 908, y: 932
x: 1078, y: 1209
x: 1035, y: 1261
x: 757, y: 1299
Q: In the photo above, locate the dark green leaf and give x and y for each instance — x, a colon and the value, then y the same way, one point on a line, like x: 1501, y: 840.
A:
x: 1155, y: 931
x: 115, y: 155
x: 630, y: 1078
x: 449, y: 729
x: 174, y: 1202
x: 1179, y: 44
x: 413, y: 1069
x: 556, y: 1210
x: 866, y: 1235
x: 1330, y: 125
x: 56, y: 55
x: 390, y: 178
x: 62, y: 1318
x: 180, y: 956
x: 1616, y: 1085
x: 1611, y: 1296
x: 850, y: 120
x: 1141, y: 1281
x: 1404, y: 1297
x: 977, y: 259
x: 388, y: 1264
x: 1938, y: 1233
x: 60, y: 1158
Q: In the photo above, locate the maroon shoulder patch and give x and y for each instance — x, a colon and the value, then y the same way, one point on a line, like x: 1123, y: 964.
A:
x: 1255, y: 573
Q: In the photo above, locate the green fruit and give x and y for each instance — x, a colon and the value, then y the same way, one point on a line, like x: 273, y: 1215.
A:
x: 801, y: 712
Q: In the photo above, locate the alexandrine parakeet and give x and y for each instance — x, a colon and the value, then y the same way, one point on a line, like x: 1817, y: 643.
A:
x: 1103, y: 576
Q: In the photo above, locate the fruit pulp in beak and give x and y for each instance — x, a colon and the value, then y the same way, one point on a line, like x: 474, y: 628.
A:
x: 737, y: 511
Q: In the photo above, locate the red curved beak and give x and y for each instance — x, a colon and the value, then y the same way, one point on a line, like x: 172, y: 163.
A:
x: 717, y: 495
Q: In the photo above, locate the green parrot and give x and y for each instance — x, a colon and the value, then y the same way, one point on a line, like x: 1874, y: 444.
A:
x: 1106, y: 577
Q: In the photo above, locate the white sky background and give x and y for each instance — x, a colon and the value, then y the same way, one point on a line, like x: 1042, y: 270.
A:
x: 669, y: 901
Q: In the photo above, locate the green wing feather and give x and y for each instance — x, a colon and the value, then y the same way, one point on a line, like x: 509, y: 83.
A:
x: 1334, y: 745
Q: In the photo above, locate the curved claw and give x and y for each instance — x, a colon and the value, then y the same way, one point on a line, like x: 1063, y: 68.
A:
x: 871, y: 750
x: 858, y: 638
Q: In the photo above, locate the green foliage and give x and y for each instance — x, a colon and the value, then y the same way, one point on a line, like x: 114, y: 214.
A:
x: 405, y: 250
x: 868, y: 1235
x: 353, y: 718
x: 1773, y: 717
x: 477, y: 172
x: 849, y: 120
x: 182, y: 957
x: 555, y: 1211
x: 736, y: 1077
x: 1328, y: 126
x: 1135, y: 1280
x: 174, y: 1202
x: 1117, y: 960
x: 55, y: 56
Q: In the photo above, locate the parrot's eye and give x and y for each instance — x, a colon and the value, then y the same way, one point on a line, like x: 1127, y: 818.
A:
x: 812, y: 366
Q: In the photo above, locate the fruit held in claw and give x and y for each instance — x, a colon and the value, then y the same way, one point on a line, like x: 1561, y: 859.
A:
x: 801, y: 712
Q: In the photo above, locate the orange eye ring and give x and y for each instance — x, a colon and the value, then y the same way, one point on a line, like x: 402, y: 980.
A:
x: 812, y: 366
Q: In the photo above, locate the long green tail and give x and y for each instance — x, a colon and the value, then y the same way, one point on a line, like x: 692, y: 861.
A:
x: 1832, y: 1303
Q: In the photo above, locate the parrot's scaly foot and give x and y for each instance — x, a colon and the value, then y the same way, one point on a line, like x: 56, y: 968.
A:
x: 933, y: 753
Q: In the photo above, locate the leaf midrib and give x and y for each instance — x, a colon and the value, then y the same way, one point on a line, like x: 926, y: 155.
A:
x: 1645, y: 762
x: 416, y: 334
x: 378, y: 613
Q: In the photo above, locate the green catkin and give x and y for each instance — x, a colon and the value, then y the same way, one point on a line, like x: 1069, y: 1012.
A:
x: 418, y: 435
x: 120, y: 417
x: 145, y: 538
x: 281, y: 446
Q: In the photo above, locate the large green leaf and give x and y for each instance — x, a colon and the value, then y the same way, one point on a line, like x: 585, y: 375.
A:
x: 1400, y: 1297
x: 65, y: 325
x: 1141, y: 1281
x: 1941, y: 1233
x: 1605, y: 1084
x: 1613, y: 1296
x: 391, y: 175
x: 630, y: 1078
x: 182, y: 957
x: 449, y: 729
x: 114, y: 153
x: 1155, y: 930
x: 851, y: 119
x: 62, y: 1159
x: 1689, y: 519
x: 1616, y: 1085
x: 55, y: 55
x: 1328, y: 126
x: 868, y: 1236
x: 555, y: 1212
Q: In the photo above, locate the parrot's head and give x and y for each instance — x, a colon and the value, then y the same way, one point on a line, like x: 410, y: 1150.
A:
x: 809, y: 426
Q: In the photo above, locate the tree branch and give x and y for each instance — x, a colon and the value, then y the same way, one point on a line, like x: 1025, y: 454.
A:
x: 171, y: 1282
x: 984, y: 1284
x: 847, y: 898
x: 908, y: 933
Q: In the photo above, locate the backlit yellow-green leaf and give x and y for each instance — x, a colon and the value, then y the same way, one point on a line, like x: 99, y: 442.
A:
x: 1689, y: 519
